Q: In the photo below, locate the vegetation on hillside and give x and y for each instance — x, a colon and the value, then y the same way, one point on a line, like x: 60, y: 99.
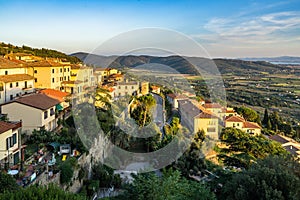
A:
x: 242, y: 149
x: 34, y: 192
x: 170, y: 186
x: 270, y: 178
x: 9, y: 48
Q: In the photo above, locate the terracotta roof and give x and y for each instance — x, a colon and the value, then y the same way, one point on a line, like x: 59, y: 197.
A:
x: 251, y: 125
x: 279, y: 138
x: 154, y: 87
x: 171, y: 95
x: 189, y: 108
x: 56, y: 94
x: 234, y: 119
x: 198, y: 104
x: 78, y: 66
x: 45, y: 63
x: 177, y: 96
x: 5, y: 126
x: 7, y: 64
x: 207, y: 115
x: 212, y: 105
x: 39, y: 101
x: 15, y: 78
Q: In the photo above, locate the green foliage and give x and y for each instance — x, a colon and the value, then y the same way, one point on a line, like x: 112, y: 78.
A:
x: 243, y: 149
x: 82, y: 173
x: 191, y: 163
x: 50, y: 192
x: 266, y: 118
x: 67, y: 135
x: 249, y: 114
x: 7, y: 183
x: 271, y: 178
x: 66, y: 172
x: 8, y: 48
x: 105, y: 175
x: 175, y: 123
x: 168, y: 187
x: 141, y: 113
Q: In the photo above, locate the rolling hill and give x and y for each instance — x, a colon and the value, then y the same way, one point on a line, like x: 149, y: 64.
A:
x: 184, y: 65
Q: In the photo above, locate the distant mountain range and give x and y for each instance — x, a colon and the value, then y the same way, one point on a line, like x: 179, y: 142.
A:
x: 280, y: 59
x: 184, y: 65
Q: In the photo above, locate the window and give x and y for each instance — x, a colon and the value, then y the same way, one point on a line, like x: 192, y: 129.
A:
x: 52, y: 71
x: 119, y: 87
x: 10, y: 85
x: 35, y: 80
x: 11, y: 141
x: 125, y: 87
x: 60, y: 70
x: 211, y: 130
x: 65, y: 69
x: 17, y: 84
x: 238, y: 124
x: 52, y: 112
x: 65, y: 78
x: 6, y: 72
x: 68, y: 69
x: 68, y: 78
x: 7, y: 143
x: 53, y: 80
x: 35, y: 71
x: 11, y: 97
x: 45, y: 114
x: 14, y: 138
x: 132, y: 87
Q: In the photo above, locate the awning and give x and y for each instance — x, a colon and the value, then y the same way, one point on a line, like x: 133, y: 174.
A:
x: 59, y: 107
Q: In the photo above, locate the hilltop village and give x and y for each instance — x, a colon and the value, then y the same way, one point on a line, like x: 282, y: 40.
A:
x: 37, y: 95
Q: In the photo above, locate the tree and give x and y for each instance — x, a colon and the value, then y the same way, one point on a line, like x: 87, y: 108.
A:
x: 249, y: 114
x: 105, y: 175
x: 191, y: 162
x: 34, y: 192
x: 66, y: 172
x: 266, y: 118
x: 7, y: 183
x: 243, y: 149
x: 141, y: 112
x: 170, y: 186
x: 271, y: 178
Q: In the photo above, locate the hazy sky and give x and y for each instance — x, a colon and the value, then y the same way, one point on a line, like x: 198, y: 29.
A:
x: 225, y: 28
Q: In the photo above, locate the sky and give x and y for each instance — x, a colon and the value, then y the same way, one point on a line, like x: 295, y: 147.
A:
x: 224, y: 28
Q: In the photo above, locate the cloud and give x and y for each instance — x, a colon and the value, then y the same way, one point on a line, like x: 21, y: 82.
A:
x: 268, y: 28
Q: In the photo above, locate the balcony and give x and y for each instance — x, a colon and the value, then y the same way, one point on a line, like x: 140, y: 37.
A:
x: 27, y: 88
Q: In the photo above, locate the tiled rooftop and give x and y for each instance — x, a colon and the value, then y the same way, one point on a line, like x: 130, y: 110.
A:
x: 15, y: 78
x: 39, y: 101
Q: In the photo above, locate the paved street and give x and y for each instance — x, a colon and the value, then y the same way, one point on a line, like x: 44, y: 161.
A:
x: 158, y: 115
